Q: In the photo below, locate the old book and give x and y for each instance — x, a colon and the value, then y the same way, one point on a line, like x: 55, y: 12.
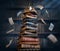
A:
x: 30, y: 17
x: 30, y: 35
x: 34, y: 43
x: 30, y: 23
x: 32, y: 11
x: 29, y: 46
x: 29, y: 27
x: 28, y: 32
x: 29, y: 39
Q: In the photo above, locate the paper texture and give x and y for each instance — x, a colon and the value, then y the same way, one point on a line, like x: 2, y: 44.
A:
x: 10, y: 31
x: 52, y: 38
x: 11, y: 21
x: 51, y: 27
x: 9, y: 43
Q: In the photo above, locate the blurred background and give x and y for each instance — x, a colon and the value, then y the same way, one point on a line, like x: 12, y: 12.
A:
x: 10, y: 8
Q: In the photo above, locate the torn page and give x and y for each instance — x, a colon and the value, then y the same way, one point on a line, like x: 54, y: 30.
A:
x: 47, y: 13
x: 9, y: 43
x: 11, y: 21
x: 10, y: 31
x: 52, y: 38
x: 51, y: 27
x: 19, y: 13
x: 43, y: 21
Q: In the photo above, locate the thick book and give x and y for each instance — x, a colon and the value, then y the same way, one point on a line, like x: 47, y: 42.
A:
x: 29, y: 39
x: 29, y: 46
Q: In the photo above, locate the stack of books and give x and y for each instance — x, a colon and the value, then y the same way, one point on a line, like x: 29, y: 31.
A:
x: 29, y: 36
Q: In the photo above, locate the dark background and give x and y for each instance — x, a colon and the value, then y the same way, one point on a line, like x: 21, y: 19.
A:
x: 10, y: 8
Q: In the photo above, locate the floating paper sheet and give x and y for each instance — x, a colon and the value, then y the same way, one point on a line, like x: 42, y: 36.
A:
x: 11, y: 21
x: 52, y: 38
x: 9, y: 43
x: 10, y: 31
x: 51, y: 27
x: 40, y: 6
x: 43, y: 21
x: 47, y: 13
x: 19, y: 13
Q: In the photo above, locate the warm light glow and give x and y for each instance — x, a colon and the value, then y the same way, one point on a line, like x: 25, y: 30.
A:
x: 30, y: 8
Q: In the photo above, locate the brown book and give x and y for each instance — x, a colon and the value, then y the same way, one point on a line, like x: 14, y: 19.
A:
x: 34, y: 24
x: 29, y: 39
x: 30, y: 16
x: 31, y: 31
x: 26, y: 29
x: 29, y: 27
x: 30, y: 35
x: 29, y: 46
x: 34, y: 43
x: 25, y: 32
